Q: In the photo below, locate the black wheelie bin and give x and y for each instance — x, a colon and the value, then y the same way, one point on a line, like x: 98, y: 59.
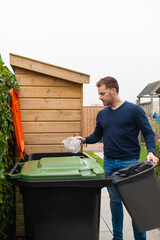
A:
x: 61, y: 191
x: 139, y: 190
x: 61, y: 196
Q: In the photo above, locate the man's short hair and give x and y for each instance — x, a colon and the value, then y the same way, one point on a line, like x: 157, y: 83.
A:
x: 109, y: 82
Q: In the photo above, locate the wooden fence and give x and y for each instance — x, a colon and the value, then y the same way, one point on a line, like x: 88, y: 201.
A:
x: 89, y: 119
x: 90, y: 114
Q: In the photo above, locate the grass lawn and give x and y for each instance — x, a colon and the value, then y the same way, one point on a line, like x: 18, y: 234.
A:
x: 98, y: 159
x: 143, y: 155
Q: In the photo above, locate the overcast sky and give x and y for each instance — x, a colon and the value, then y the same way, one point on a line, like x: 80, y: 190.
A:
x: 119, y: 38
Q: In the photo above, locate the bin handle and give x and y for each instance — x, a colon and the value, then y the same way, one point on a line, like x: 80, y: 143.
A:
x: 13, y: 169
x: 152, y: 163
x: 85, y: 172
x: 12, y: 173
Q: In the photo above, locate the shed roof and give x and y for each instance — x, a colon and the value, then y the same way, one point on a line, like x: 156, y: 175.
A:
x: 48, y: 69
x: 150, y: 89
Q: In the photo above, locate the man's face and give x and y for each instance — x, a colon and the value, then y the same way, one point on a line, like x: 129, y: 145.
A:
x: 105, y: 95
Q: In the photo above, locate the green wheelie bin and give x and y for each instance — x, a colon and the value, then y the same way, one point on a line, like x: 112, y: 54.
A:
x: 61, y: 195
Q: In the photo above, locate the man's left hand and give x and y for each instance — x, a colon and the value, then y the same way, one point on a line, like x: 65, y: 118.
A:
x: 153, y: 158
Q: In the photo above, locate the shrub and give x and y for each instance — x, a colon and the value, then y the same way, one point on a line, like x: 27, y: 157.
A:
x: 157, y: 149
x: 7, y: 81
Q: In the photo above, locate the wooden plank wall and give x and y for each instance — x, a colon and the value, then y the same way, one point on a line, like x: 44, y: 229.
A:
x: 51, y: 110
x: 89, y: 119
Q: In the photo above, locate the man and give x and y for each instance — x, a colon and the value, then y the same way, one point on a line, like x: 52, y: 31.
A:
x: 119, y: 125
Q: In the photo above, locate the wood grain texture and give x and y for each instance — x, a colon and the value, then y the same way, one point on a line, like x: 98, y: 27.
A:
x: 51, y: 127
x: 50, y: 115
x: 49, y: 92
x: 29, y: 78
x: 44, y: 104
x: 48, y: 69
x: 46, y: 138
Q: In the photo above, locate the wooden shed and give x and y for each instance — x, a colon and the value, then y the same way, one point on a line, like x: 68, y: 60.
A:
x: 51, y: 102
x: 151, y: 91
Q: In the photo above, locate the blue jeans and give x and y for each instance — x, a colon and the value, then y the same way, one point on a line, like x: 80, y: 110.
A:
x: 110, y: 166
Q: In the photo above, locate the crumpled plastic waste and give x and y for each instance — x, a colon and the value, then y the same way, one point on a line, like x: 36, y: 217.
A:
x: 72, y: 145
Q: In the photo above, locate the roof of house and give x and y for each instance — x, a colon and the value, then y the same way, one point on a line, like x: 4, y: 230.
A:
x: 48, y: 69
x: 150, y: 89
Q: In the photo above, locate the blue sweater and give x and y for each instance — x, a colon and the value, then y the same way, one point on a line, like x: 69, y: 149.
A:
x: 120, y: 129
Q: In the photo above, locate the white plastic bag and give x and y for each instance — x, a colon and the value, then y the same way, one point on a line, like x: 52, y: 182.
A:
x: 72, y: 145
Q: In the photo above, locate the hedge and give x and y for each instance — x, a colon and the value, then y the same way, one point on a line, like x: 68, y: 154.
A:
x: 7, y: 203
x: 157, y: 149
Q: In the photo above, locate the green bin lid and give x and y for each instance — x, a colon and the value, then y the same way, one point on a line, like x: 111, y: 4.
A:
x: 60, y: 168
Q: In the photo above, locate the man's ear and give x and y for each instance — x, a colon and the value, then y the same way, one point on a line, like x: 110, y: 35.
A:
x: 113, y: 90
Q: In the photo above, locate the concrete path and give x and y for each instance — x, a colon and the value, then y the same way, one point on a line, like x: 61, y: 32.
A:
x: 105, y: 220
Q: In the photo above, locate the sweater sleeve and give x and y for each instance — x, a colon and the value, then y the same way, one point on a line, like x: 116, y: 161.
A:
x: 145, y: 127
x: 97, y: 134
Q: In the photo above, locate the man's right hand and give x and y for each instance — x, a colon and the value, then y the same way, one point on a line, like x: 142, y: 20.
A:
x: 83, y: 140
